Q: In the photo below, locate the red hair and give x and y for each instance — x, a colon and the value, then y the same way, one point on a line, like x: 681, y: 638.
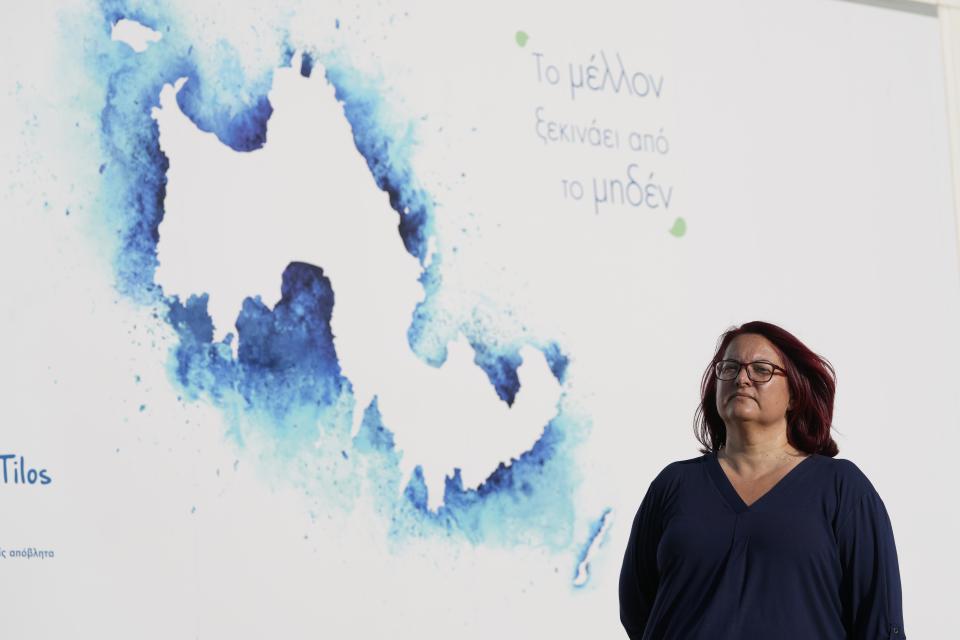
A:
x: 813, y: 384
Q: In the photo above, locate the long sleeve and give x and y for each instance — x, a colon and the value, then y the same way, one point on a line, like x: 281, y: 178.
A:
x: 870, y: 588
x: 638, y: 576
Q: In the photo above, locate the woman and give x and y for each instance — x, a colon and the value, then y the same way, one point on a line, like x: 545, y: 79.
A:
x: 766, y: 536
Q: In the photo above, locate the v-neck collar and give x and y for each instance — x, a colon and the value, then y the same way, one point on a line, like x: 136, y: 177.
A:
x: 730, y: 494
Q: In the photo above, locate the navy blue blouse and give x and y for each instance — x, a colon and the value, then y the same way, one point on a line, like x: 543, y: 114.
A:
x: 813, y: 558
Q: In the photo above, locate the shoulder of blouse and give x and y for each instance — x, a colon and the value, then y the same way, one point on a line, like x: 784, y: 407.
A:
x: 852, y: 487
x: 673, y: 473
x: 848, y: 476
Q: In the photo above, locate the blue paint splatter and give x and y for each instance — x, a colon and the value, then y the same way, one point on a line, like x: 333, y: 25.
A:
x: 285, y: 381
x: 387, y: 150
x: 306, y: 65
x: 600, y: 527
x: 242, y: 130
x: 416, y: 491
x: 501, y: 369
x: 557, y: 361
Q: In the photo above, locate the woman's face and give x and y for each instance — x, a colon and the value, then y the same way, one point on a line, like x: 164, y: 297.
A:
x: 743, y: 400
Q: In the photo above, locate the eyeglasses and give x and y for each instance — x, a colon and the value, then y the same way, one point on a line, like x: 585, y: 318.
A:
x: 757, y: 371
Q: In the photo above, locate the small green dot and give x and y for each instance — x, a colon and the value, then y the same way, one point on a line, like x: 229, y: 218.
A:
x: 522, y: 38
x: 679, y: 227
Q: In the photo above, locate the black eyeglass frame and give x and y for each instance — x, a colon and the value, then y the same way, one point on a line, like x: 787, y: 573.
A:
x: 740, y: 365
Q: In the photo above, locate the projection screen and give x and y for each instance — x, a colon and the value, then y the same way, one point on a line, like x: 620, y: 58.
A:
x: 354, y: 320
